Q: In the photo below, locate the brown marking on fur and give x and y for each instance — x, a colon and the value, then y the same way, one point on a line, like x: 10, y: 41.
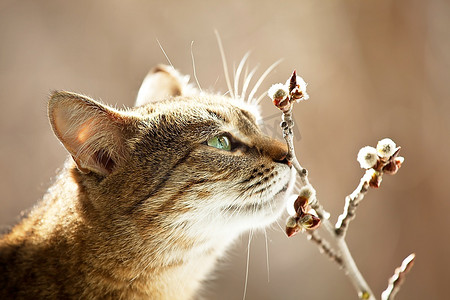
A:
x: 161, y: 183
x: 172, y: 202
x: 248, y: 116
x: 118, y: 222
x: 203, y: 194
x: 218, y: 115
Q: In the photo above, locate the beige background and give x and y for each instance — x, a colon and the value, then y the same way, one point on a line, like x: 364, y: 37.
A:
x: 374, y: 68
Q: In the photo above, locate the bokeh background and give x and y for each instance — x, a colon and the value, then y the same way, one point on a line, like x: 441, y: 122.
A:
x: 375, y: 69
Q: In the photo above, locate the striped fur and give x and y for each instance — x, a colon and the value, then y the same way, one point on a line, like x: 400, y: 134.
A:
x: 144, y: 207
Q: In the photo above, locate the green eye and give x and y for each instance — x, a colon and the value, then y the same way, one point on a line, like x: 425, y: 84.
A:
x: 220, y: 142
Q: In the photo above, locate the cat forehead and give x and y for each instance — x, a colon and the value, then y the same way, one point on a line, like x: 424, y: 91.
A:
x: 203, y: 106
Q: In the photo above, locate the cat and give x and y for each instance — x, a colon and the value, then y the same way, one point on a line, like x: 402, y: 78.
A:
x: 149, y: 198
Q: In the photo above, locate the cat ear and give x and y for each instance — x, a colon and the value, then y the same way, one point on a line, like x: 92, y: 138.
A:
x: 94, y: 134
x: 162, y: 82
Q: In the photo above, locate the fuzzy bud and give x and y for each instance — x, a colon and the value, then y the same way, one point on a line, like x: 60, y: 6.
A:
x: 390, y: 168
x: 308, y: 192
x: 297, y: 88
x: 300, y: 205
x: 279, y: 93
x: 386, y: 148
x: 309, y: 222
x: 367, y: 157
x: 291, y: 226
x: 393, y: 165
x: 291, y: 222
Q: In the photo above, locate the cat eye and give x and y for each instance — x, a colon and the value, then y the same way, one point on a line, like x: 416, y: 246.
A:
x: 220, y: 142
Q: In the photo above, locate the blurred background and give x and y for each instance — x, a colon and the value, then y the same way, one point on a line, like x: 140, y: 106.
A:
x: 375, y: 69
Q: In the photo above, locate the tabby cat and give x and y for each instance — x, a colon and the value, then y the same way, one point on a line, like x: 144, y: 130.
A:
x: 149, y: 198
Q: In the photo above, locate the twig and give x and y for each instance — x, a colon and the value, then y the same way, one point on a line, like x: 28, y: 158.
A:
x: 351, y: 203
x: 378, y: 161
x: 383, y: 159
x: 288, y: 135
x: 286, y: 125
x: 356, y: 278
x: 284, y: 98
x: 397, y: 279
x: 324, y: 247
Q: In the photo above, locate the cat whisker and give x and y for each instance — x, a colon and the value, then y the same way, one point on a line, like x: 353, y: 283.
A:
x: 238, y: 209
x: 193, y: 67
x: 245, y: 73
x: 250, y: 236
x: 234, y: 76
x: 215, y: 82
x: 267, y: 255
x: 165, y: 54
x: 247, y: 81
x: 235, y: 211
x: 224, y: 62
x: 261, y: 79
x: 261, y: 97
x: 282, y: 230
x: 238, y: 73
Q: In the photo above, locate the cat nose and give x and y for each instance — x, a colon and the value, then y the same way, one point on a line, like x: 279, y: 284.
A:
x: 283, y: 160
x: 277, y: 151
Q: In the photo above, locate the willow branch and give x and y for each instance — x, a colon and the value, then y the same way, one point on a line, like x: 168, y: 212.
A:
x: 382, y: 160
x: 397, y: 279
x: 284, y: 100
x: 325, y: 247
x: 351, y: 203
x: 288, y: 135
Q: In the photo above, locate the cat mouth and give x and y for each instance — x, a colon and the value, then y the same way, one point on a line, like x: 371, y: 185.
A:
x: 259, y: 205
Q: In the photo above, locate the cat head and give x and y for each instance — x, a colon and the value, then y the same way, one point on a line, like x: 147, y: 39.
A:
x: 180, y: 158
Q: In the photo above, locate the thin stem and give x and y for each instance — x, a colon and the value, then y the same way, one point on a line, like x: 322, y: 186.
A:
x: 358, y: 281
x: 325, y: 247
x: 351, y: 203
x: 284, y: 97
x: 323, y: 215
x: 347, y: 262
x: 288, y: 134
x: 397, y: 279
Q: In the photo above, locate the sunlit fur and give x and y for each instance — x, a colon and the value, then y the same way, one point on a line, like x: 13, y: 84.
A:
x: 144, y: 207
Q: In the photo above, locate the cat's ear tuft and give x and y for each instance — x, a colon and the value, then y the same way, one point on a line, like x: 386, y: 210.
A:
x: 162, y: 82
x: 94, y: 134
